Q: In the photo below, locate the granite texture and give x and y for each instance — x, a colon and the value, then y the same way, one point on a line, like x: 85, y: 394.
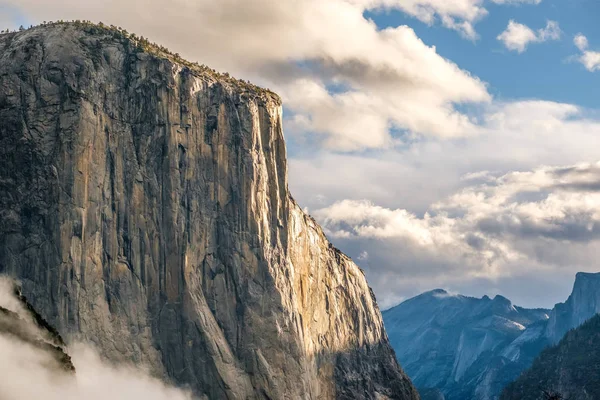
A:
x: 144, y: 206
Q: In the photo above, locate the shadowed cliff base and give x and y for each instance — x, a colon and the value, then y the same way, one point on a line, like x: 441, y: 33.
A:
x: 144, y: 207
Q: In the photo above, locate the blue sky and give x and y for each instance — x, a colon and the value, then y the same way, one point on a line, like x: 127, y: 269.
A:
x: 471, y: 167
x: 543, y: 71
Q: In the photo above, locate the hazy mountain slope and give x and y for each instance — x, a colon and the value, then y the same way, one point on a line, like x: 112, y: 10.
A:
x: 571, y: 368
x: 472, y: 348
x: 454, y: 343
x: 144, y: 205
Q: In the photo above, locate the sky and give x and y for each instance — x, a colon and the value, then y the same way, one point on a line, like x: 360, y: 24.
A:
x: 441, y: 143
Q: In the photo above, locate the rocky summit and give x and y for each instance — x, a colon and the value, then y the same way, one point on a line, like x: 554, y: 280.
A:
x: 144, y: 206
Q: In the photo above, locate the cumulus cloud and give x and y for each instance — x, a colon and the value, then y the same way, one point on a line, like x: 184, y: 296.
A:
x: 30, y: 373
x: 413, y: 176
x: 534, y: 221
x: 411, y: 253
x: 517, y: 36
x: 459, y: 15
x: 589, y: 59
x: 341, y: 76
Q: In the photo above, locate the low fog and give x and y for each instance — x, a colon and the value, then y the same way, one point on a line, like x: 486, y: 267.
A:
x: 29, y: 373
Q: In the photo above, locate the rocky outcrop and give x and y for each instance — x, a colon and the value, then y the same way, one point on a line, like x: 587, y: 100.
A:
x: 582, y: 304
x: 144, y: 207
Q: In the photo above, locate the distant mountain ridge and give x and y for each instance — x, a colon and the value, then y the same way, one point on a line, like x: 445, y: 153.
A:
x: 471, y: 348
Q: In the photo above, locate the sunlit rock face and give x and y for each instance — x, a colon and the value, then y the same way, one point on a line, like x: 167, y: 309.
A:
x: 144, y: 206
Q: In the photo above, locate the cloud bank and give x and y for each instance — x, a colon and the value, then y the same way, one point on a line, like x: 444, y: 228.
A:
x: 539, y: 222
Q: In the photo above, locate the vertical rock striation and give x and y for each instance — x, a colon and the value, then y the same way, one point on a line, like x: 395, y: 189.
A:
x: 144, y: 207
x: 582, y: 304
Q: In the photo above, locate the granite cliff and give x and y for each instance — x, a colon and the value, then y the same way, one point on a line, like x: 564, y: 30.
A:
x: 144, y: 207
x: 582, y: 304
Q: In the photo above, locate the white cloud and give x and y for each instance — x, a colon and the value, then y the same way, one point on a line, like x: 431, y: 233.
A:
x: 30, y: 373
x: 459, y: 15
x: 410, y: 253
x: 513, y: 135
x: 581, y: 42
x: 534, y: 222
x: 25, y: 377
x: 517, y: 36
x: 385, y: 80
x: 589, y: 59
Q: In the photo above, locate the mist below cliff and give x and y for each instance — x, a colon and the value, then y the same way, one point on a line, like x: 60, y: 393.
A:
x: 31, y: 373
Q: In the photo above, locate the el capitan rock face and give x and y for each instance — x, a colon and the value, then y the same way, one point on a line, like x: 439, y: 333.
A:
x: 144, y: 207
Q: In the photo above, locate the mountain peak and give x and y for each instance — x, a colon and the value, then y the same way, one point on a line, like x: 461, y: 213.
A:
x: 501, y: 299
x: 439, y: 291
